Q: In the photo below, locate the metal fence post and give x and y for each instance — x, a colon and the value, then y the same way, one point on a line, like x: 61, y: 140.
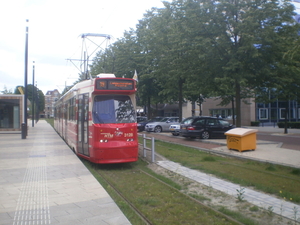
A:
x: 144, y: 145
x: 153, y: 149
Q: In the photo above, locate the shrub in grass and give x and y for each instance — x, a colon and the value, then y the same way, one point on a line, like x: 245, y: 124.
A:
x: 208, y: 159
x: 271, y: 168
x: 296, y: 172
x: 254, y: 208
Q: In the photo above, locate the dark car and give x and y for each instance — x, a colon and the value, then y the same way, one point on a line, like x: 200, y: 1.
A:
x: 141, y: 119
x: 141, y: 125
x: 204, y: 127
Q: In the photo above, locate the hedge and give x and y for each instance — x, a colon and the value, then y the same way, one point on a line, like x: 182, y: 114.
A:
x: 255, y: 123
x: 295, y: 125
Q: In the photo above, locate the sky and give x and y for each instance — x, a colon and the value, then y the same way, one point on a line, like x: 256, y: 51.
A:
x: 54, y: 36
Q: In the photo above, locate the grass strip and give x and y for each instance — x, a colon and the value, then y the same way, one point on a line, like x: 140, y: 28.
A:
x: 160, y: 203
x: 282, y: 181
x: 124, y: 207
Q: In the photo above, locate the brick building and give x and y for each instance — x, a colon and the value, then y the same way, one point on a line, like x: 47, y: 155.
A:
x: 50, y: 98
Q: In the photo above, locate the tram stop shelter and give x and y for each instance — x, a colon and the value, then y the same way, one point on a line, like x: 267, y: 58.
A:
x: 11, y: 111
x: 241, y: 139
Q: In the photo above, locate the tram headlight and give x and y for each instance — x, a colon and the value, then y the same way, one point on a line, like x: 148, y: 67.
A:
x: 103, y: 141
x: 130, y: 139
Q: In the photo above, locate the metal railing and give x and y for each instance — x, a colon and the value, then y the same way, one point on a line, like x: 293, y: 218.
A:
x: 145, y: 148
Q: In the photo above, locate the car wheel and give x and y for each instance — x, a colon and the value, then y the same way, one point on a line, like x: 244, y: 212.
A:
x: 157, y: 129
x: 205, y: 135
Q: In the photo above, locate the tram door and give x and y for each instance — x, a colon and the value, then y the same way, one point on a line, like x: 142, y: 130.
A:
x: 83, y: 124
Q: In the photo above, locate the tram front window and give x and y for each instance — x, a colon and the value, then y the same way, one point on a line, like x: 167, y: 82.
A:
x: 113, y: 109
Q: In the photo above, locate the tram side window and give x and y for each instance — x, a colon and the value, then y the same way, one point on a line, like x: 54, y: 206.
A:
x: 113, y: 109
x: 71, y: 109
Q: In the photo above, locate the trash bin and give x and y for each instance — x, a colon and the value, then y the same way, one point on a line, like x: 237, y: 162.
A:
x: 241, y: 139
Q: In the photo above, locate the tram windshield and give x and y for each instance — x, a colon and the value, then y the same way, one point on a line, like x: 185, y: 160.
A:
x: 113, y: 109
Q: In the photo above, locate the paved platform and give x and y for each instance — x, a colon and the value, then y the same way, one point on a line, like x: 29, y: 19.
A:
x: 43, y: 182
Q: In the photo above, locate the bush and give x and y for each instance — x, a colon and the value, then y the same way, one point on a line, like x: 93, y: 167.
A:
x: 255, y: 123
x: 295, y: 125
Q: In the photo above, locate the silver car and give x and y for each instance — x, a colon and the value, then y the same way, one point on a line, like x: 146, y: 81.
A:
x: 162, y: 125
x: 175, y: 128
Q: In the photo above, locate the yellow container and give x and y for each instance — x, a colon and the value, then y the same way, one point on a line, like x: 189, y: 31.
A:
x: 241, y: 139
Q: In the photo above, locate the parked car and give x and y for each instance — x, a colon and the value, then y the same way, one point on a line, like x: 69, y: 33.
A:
x: 175, y: 129
x: 141, y: 119
x: 141, y: 125
x: 162, y: 125
x: 204, y: 127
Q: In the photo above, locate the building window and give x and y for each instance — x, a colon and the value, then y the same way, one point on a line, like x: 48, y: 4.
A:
x: 224, y: 113
x: 263, y: 114
x: 282, y: 113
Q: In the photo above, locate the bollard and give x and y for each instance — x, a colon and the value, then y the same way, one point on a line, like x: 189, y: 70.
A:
x: 23, y: 130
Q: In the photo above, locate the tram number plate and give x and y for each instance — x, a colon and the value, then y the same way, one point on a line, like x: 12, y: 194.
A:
x: 128, y: 135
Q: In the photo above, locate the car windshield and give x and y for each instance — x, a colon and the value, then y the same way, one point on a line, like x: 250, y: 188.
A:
x: 113, y: 109
x: 187, y: 121
x: 141, y: 119
x: 155, y: 120
x: 164, y: 119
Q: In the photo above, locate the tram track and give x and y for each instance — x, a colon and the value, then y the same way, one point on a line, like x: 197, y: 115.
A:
x: 141, y: 215
x: 136, y: 210
x: 195, y: 200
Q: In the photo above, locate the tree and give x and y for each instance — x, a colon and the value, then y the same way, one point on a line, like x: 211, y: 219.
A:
x: 234, y: 28
x: 218, y: 48
x: 39, y: 96
x: 6, y: 91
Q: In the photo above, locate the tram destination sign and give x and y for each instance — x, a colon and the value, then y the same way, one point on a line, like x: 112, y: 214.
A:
x: 114, y: 84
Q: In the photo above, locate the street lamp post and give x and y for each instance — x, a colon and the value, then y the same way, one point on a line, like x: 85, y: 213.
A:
x: 24, y: 124
x: 33, y: 95
x: 37, y: 104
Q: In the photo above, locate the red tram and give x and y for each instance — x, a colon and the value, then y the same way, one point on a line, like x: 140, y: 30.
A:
x: 97, y: 119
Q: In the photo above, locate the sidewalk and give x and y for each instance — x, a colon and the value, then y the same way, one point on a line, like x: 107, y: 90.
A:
x: 271, y: 129
x: 265, y: 151
x: 43, y: 182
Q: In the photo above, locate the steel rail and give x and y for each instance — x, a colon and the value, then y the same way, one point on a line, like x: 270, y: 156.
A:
x: 138, y: 212
x: 197, y: 201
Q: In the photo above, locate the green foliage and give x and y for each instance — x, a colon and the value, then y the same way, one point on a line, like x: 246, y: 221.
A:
x: 6, y: 91
x: 255, y: 123
x: 240, y: 194
x: 271, y: 168
x: 254, y: 208
x: 39, y: 96
x: 231, y: 49
x: 295, y: 125
x: 296, y: 172
x: 209, y: 158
